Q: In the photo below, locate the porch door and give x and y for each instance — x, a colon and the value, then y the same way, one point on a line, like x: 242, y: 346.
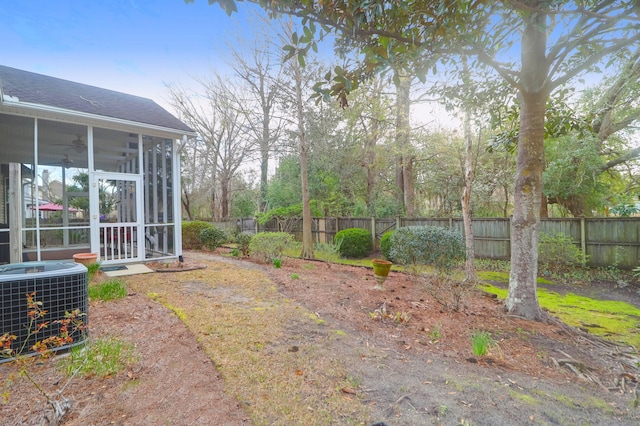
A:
x: 117, y: 215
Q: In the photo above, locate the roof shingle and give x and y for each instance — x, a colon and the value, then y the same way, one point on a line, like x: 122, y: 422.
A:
x: 55, y: 92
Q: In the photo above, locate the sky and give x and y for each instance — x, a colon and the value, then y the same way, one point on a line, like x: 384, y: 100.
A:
x: 130, y: 46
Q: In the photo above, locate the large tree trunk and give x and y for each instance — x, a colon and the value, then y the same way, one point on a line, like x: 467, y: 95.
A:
x: 264, y: 160
x: 224, y: 199
x: 467, y: 216
x: 407, y: 180
x: 307, y: 236
x: 403, y: 110
x: 186, y: 203
x: 522, y: 299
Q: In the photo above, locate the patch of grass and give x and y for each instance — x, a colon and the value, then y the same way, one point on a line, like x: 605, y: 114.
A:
x: 481, y: 342
x: 98, y: 358
x: 614, y: 320
x: 583, y: 403
x: 274, y: 384
x: 92, y: 270
x: 107, y: 290
x: 503, y: 277
x: 528, y: 399
x: 295, y: 276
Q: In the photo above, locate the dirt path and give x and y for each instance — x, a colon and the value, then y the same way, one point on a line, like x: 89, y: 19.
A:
x: 420, y: 372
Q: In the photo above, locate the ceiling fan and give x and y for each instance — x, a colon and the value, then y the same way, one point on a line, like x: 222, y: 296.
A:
x: 78, y: 144
x: 66, y: 161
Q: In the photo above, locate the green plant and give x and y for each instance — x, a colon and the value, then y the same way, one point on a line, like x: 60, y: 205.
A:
x: 353, y: 242
x: 269, y: 245
x: 557, y: 251
x: 436, y: 333
x: 213, y: 237
x: 191, y: 234
x: 99, y: 358
x: 385, y: 244
x: 428, y: 245
x: 402, y: 317
x: 107, y: 290
x: 481, y: 342
x: 234, y: 252
x: 24, y: 357
x: 326, y: 251
x: 295, y: 276
x: 243, y: 240
x: 92, y: 270
x: 276, y: 262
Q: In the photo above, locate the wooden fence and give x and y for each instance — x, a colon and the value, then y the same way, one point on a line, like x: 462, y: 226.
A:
x: 606, y: 241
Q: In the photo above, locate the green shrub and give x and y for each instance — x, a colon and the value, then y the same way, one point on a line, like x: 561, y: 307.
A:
x: 428, y: 245
x: 213, y: 237
x: 191, y: 234
x: 353, y: 242
x: 243, y: 240
x: 385, y: 244
x: 269, y: 245
x: 558, y: 251
x: 328, y: 252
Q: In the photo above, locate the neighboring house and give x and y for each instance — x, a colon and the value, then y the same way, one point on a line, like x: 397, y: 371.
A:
x: 109, y: 154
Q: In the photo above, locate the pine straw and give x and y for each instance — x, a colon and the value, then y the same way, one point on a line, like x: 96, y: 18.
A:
x: 280, y: 376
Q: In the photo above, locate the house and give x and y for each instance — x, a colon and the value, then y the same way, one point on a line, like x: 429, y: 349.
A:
x: 115, y: 157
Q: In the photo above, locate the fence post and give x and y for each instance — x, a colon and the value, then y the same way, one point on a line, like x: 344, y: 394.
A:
x: 322, y: 230
x: 373, y: 232
x: 397, y: 222
x: 583, y: 242
x: 256, y: 225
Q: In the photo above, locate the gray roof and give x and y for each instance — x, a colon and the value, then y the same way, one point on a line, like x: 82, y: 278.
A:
x: 55, y: 92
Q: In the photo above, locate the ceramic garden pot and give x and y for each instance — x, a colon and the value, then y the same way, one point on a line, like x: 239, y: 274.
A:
x: 85, y: 258
x: 381, y: 270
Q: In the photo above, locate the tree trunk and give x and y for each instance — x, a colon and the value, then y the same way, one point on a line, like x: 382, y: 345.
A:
x: 307, y: 236
x: 467, y: 216
x: 544, y: 206
x: 370, y: 153
x: 407, y: 180
x: 186, y: 203
x: 522, y: 299
x: 264, y: 158
x: 403, y: 110
x: 224, y: 199
x: 213, y: 202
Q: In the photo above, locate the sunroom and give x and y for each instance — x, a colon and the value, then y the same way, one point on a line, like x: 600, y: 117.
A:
x: 86, y: 170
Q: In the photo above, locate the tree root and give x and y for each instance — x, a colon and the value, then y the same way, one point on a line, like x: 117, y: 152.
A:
x: 622, y: 362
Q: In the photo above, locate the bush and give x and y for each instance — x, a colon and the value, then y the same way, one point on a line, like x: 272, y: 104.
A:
x: 270, y: 245
x: 353, y: 242
x: 428, y: 245
x: 558, y: 251
x: 243, y: 240
x: 191, y: 234
x: 213, y: 237
x: 385, y: 244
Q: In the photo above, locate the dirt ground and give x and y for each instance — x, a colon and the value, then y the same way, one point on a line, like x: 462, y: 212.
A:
x: 419, y: 370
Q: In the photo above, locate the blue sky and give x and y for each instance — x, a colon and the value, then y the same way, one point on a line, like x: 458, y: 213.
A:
x: 132, y: 46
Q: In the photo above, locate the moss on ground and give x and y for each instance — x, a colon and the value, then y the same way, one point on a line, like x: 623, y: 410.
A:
x: 614, y: 320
